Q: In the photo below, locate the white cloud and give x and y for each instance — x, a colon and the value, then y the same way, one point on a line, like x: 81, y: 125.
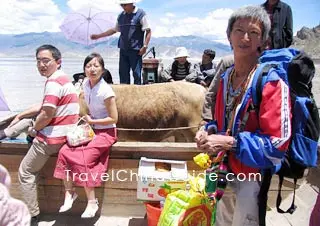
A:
x: 22, y: 16
x: 170, y: 15
x: 105, y: 5
x: 214, y: 24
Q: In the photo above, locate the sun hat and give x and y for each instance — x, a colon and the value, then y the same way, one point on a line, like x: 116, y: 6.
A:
x: 181, y: 52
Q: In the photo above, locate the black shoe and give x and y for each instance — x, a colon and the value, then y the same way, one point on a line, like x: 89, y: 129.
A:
x: 34, y: 221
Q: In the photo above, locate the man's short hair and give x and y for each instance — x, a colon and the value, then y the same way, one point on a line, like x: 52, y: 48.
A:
x: 56, y: 54
x: 211, y: 53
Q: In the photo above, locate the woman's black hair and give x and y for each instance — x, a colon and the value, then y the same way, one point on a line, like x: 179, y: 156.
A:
x: 90, y: 57
x: 106, y: 75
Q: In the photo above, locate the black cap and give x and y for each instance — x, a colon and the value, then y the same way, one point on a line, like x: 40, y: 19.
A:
x: 211, y: 53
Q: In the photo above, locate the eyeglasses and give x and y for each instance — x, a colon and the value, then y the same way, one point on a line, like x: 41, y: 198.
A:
x: 45, y: 61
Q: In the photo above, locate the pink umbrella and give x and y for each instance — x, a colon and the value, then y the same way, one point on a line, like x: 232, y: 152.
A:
x: 3, y: 103
x: 79, y: 26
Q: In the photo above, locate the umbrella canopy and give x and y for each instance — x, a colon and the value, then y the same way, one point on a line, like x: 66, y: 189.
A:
x: 79, y: 26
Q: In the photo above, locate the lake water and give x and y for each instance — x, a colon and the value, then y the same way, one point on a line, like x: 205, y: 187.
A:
x: 22, y: 85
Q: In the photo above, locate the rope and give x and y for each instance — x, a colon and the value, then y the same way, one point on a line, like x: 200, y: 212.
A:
x: 157, y: 129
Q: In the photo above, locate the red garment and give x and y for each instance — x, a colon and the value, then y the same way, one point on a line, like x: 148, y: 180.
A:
x: 315, y: 215
x: 269, y: 123
x: 60, y: 94
x: 88, y: 162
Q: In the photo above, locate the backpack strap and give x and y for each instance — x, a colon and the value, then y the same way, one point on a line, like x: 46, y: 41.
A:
x: 258, y: 81
x: 263, y: 196
x: 293, y: 207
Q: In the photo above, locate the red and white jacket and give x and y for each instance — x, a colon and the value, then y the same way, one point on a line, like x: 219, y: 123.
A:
x: 266, y: 134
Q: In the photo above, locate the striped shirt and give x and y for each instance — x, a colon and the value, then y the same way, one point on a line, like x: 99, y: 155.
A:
x: 59, y: 93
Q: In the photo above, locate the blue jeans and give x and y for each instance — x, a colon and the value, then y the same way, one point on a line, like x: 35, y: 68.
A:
x: 130, y: 59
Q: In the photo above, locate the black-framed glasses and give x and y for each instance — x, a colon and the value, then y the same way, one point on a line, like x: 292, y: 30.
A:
x: 45, y: 61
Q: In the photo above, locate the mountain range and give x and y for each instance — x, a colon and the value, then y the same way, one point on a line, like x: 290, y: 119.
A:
x: 24, y: 45
x: 308, y: 39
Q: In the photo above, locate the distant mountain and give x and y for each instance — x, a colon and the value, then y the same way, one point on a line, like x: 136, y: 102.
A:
x: 308, y: 39
x: 24, y: 45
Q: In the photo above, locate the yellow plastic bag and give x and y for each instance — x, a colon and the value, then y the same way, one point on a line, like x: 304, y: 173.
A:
x: 185, y: 208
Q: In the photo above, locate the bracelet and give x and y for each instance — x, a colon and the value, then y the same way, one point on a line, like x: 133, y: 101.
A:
x: 235, y: 144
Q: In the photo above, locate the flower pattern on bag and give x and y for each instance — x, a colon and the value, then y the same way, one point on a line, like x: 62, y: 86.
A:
x: 81, y: 134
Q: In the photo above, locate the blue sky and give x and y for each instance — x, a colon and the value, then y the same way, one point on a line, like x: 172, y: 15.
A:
x: 206, y: 18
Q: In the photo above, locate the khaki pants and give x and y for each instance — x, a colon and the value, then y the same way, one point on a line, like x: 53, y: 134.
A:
x: 32, y: 163
x: 18, y: 128
x: 239, y: 205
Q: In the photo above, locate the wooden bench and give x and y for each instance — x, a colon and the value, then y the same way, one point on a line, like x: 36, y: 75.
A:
x: 117, y: 198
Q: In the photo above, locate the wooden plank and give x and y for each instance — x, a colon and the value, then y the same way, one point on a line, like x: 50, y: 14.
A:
x: 125, y: 168
x: 125, y: 156
x: 129, y: 150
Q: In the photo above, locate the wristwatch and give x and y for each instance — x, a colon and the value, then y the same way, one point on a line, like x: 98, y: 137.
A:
x: 145, y: 46
x: 33, y: 132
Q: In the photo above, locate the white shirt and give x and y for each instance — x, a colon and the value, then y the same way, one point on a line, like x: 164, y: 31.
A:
x: 95, y: 98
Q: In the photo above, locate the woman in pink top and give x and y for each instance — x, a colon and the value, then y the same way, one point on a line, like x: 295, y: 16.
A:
x: 84, y: 165
x: 12, y: 211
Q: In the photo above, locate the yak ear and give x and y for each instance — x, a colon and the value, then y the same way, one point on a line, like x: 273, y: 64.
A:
x: 84, y: 109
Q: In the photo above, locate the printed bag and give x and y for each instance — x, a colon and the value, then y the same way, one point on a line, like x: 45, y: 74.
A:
x: 81, y: 134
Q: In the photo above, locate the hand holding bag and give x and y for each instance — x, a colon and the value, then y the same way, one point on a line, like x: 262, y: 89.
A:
x: 80, y: 134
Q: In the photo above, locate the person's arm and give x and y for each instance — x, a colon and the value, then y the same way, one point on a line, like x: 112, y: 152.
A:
x: 146, y: 42
x: 29, y: 113
x: 51, y: 98
x: 288, y: 28
x: 145, y: 27
x: 210, y: 98
x: 111, y: 107
x: 104, y: 34
x: 209, y: 73
x: 44, y: 117
x: 166, y: 74
x: 266, y: 147
x: 192, y: 76
x: 148, y: 37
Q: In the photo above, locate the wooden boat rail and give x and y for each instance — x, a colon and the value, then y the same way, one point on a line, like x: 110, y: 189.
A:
x: 117, y: 198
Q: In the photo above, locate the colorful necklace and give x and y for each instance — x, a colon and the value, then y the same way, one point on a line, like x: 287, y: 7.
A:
x: 234, y: 97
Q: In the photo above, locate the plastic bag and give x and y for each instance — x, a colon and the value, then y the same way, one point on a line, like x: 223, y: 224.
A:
x: 80, y: 134
x: 187, y: 207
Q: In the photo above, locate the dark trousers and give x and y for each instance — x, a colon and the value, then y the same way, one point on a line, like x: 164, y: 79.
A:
x: 130, y: 59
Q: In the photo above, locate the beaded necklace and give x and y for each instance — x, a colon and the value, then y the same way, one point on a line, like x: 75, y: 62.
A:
x: 234, y: 97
